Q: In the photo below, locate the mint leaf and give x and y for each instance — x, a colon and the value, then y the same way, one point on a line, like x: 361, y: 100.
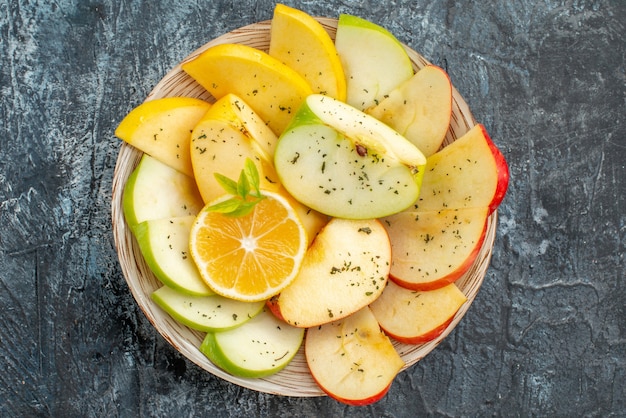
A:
x: 226, y: 183
x: 246, y: 192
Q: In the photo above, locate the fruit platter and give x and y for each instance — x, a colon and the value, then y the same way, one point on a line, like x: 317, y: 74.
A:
x: 306, y: 206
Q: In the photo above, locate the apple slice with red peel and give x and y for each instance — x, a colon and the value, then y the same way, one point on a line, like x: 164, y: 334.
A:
x: 345, y: 268
x: 434, y: 248
x: 344, y: 163
x: 470, y: 172
x: 351, y: 359
x: 419, y: 109
x: 416, y: 317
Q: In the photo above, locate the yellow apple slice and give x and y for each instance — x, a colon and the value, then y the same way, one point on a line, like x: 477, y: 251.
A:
x: 228, y: 134
x: 416, y: 317
x: 161, y: 128
x: 302, y: 43
x: 270, y: 87
x: 419, y: 109
x: 351, y: 359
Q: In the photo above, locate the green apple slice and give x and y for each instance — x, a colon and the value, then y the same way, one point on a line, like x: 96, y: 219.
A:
x: 157, y: 191
x: 373, y: 59
x: 344, y: 163
x: 205, y: 313
x: 260, y: 347
x: 164, y: 244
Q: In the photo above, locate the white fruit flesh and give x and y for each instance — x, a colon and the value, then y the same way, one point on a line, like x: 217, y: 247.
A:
x: 345, y: 268
x: 205, y: 313
x: 164, y: 244
x: 351, y: 359
x: 260, y: 347
x: 157, y: 191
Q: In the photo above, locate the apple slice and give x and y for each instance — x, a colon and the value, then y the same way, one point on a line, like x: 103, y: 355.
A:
x: 344, y: 163
x: 351, y: 359
x: 260, y: 347
x: 419, y: 109
x: 374, y: 61
x: 434, y: 248
x: 205, y: 313
x: 154, y: 190
x: 470, y: 172
x: 416, y: 317
x: 270, y: 87
x: 161, y: 128
x: 345, y: 268
x: 228, y: 134
x: 302, y: 43
x: 164, y: 244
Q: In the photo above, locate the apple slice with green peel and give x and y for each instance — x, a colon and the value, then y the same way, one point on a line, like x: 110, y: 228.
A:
x: 302, y: 43
x: 205, y: 313
x: 345, y: 268
x: 434, y: 248
x: 261, y: 347
x: 162, y: 127
x: 470, y: 172
x: 419, y: 109
x: 345, y: 163
x: 416, y: 317
x: 154, y: 190
x: 373, y: 59
x: 270, y: 87
x: 164, y: 244
x: 228, y: 134
x: 351, y: 359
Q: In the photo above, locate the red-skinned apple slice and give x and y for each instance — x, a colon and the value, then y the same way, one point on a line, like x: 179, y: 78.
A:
x: 345, y: 268
x: 470, y: 172
x: 416, y: 317
x: 351, y: 359
x: 431, y: 249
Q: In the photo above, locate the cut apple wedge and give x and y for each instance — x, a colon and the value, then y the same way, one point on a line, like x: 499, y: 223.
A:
x: 270, y: 87
x: 205, y: 313
x: 228, y: 134
x: 416, y: 317
x: 161, y: 128
x: 373, y: 59
x: 302, y: 43
x: 154, y: 190
x: 344, y: 163
x: 351, y: 359
x: 419, y: 109
x: 261, y: 347
x: 434, y: 248
x: 345, y: 268
x: 470, y: 172
x: 164, y: 244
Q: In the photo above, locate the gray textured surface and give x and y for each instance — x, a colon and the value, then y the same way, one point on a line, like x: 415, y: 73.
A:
x: 546, y: 335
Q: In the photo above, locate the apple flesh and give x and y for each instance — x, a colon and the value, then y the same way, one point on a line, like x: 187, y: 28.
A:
x: 374, y: 61
x: 154, y: 190
x: 164, y: 244
x: 205, y: 313
x: 434, y: 248
x: 344, y: 163
x: 345, y: 268
x: 351, y: 359
x: 261, y: 347
x: 416, y: 317
x: 419, y: 109
x: 470, y: 172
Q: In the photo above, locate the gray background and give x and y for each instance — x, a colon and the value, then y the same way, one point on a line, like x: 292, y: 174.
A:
x: 546, y: 335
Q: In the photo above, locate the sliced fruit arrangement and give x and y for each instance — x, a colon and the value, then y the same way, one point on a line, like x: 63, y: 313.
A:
x: 311, y: 206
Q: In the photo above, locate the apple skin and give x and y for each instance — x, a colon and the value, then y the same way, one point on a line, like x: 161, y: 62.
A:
x: 432, y: 249
x: 351, y: 359
x: 417, y: 317
x: 470, y: 172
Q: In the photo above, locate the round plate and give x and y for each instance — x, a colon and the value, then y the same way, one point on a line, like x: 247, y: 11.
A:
x: 295, y: 379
